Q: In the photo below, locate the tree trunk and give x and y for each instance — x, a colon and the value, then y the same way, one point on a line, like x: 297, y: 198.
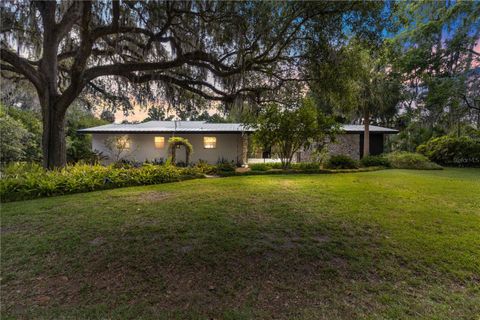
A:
x: 366, y: 134
x: 53, y: 142
x: 478, y: 120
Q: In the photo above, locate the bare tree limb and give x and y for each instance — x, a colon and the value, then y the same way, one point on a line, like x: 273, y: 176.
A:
x: 69, y: 19
x: 21, y: 65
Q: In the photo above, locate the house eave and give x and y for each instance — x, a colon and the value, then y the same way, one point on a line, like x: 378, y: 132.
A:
x: 87, y: 131
x: 371, y: 132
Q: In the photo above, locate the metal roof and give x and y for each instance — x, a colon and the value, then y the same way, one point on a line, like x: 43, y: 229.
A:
x: 360, y: 128
x: 169, y: 126
x: 202, y: 127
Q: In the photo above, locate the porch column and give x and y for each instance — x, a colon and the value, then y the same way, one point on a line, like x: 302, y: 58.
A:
x: 244, y: 149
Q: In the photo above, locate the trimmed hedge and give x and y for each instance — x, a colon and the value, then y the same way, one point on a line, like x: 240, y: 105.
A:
x: 296, y: 171
x: 452, y: 151
x: 409, y: 160
x: 301, y: 166
x: 375, y: 161
x: 342, y: 162
x: 306, y: 166
x: 27, y: 181
x: 260, y: 167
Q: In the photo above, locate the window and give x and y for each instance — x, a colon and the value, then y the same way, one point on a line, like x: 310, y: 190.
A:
x: 159, y: 142
x: 123, y: 143
x: 209, y: 142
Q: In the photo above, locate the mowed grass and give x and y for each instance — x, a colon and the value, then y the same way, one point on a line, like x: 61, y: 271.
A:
x: 390, y: 244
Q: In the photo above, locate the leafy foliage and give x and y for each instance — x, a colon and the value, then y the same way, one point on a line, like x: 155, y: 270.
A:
x: 173, y: 142
x: 119, y: 147
x: 79, y: 146
x: 260, y: 167
x: 225, y: 167
x: 214, y: 118
x: 409, y: 160
x: 287, y: 130
x: 184, y: 52
x: 21, y: 131
x: 438, y: 58
x: 306, y: 166
x: 205, y: 167
x: 341, y: 162
x: 157, y: 113
x: 107, y: 116
x: 452, y: 151
x: 27, y: 124
x: 301, y: 166
x: 375, y: 161
x: 13, y: 137
x: 28, y: 181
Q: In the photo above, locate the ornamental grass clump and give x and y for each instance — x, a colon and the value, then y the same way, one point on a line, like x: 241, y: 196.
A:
x: 20, y: 182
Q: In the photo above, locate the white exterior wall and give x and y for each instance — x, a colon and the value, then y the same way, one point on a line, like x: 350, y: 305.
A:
x: 142, y: 147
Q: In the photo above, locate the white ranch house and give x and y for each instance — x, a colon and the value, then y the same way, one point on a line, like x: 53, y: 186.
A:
x: 213, y: 142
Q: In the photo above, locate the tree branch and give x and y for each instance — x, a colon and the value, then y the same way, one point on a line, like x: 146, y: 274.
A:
x: 115, y: 14
x: 71, y: 17
x: 21, y: 66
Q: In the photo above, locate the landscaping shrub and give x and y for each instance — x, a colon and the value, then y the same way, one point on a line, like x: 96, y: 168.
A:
x: 452, y: 151
x: 21, y: 182
x: 127, y: 164
x: 275, y: 165
x: 206, y: 168
x: 225, y: 167
x: 306, y: 166
x: 20, y: 169
x: 342, y: 162
x: 409, y: 160
x: 260, y: 167
x: 375, y: 161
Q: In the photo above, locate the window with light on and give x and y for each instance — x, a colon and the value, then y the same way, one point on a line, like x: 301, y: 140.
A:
x: 123, y: 143
x: 159, y: 142
x: 209, y: 142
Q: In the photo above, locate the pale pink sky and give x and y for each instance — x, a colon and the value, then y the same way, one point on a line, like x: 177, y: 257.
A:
x: 138, y: 114
x: 476, y: 49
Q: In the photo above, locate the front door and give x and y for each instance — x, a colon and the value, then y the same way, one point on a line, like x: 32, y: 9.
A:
x: 180, y: 156
x: 376, y: 144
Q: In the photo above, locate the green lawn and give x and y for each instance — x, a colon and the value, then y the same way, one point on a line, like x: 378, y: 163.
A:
x: 390, y: 244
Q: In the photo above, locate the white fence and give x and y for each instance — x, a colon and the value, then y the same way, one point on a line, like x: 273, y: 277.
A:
x: 261, y: 160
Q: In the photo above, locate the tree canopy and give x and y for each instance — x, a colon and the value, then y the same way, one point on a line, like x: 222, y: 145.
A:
x: 440, y: 60
x: 224, y: 51
x: 243, y: 56
x: 286, y: 130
